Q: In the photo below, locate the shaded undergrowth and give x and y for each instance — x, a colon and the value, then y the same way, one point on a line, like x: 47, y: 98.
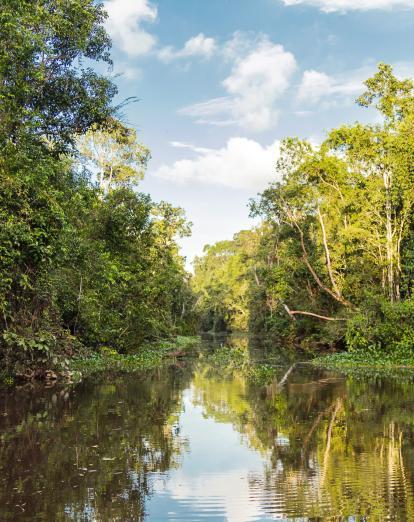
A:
x: 148, y: 356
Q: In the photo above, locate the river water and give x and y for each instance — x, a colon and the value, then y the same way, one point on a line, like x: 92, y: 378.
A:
x: 197, y: 441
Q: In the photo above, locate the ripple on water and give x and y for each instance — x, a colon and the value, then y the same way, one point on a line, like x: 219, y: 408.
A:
x: 197, y: 443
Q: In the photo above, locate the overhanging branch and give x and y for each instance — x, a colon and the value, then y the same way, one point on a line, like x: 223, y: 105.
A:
x: 292, y: 314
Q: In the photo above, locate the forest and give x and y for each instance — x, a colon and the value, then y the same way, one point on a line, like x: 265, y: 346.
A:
x: 331, y: 264
x: 270, y: 377
x: 88, y: 262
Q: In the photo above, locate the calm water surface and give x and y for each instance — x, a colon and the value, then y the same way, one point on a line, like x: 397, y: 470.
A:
x: 196, y: 442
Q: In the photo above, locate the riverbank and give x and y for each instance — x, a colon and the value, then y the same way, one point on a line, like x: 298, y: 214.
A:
x: 148, y: 356
x: 369, y: 362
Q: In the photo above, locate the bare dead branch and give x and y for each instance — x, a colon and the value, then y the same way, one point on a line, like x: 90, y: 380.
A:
x: 292, y: 314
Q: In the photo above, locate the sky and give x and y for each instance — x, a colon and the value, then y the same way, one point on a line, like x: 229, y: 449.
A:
x: 220, y: 82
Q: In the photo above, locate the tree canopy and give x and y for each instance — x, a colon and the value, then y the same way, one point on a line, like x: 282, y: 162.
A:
x: 82, y: 265
x: 333, y: 258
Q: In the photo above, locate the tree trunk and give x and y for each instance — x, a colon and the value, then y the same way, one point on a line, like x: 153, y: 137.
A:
x: 333, y: 294
x: 328, y: 255
x: 111, y: 172
x: 389, y: 236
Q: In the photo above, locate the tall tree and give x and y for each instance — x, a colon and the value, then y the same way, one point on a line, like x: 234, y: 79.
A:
x: 115, y: 154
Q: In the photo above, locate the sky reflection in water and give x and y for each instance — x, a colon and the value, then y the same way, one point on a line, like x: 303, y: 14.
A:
x: 193, y: 442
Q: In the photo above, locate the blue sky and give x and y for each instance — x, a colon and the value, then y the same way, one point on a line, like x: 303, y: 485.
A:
x: 220, y: 82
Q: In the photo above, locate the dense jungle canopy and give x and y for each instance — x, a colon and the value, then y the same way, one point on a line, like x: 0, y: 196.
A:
x: 332, y: 261
x: 88, y: 261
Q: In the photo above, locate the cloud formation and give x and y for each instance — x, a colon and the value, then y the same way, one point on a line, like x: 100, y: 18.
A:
x: 242, y: 163
x: 199, y: 45
x: 317, y: 86
x: 124, y: 25
x: 258, y: 79
x: 330, y: 6
x: 327, y: 90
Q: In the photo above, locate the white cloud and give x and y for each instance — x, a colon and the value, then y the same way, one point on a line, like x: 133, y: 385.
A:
x: 124, y: 25
x: 242, y: 163
x: 314, y: 86
x: 182, y: 145
x: 204, y: 111
x: 258, y: 79
x: 320, y: 88
x: 330, y: 6
x: 199, y: 45
x: 241, y: 44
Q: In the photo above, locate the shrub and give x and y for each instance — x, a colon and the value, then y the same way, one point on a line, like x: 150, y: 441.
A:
x: 383, y: 328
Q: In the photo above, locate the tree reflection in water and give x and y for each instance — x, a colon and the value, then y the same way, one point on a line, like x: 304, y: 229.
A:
x: 87, y: 453
x: 329, y: 445
x: 333, y: 446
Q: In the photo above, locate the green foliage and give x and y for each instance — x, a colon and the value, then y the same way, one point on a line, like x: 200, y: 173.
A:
x: 229, y: 358
x: 101, y: 277
x: 45, y: 91
x: 337, y: 228
x: 6, y: 379
x: 148, y: 356
x: 221, y: 282
x: 371, y: 363
x: 184, y: 342
x: 340, y: 228
x: 79, y: 266
x: 383, y: 329
x: 116, y: 154
x: 124, y: 289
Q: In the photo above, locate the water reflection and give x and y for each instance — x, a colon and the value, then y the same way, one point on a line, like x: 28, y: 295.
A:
x: 88, y: 453
x: 196, y: 442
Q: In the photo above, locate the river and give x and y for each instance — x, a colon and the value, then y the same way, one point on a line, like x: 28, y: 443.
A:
x: 196, y: 441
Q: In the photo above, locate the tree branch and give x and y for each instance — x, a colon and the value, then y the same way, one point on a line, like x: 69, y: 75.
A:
x: 292, y: 314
